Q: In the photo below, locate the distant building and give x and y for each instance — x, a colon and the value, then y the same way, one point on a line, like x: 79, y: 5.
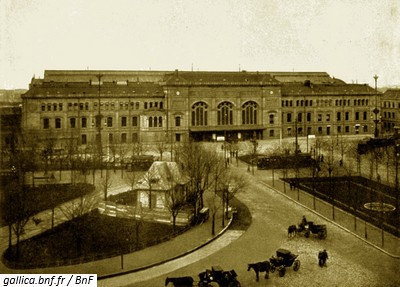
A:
x: 390, y: 110
x: 93, y: 110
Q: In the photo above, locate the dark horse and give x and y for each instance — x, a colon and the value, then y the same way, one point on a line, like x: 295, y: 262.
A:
x: 292, y: 229
x: 258, y: 267
x: 186, y: 281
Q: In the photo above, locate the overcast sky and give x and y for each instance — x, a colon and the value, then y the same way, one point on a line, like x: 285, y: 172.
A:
x: 351, y: 40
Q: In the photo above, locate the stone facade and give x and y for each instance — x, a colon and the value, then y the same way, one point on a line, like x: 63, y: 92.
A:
x: 118, y: 107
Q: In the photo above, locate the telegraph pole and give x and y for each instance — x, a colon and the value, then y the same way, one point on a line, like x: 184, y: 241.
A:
x: 98, y: 123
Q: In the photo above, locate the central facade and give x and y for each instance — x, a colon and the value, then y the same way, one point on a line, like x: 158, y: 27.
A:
x: 124, y: 107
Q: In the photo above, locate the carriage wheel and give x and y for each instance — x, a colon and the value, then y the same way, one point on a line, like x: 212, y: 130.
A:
x: 234, y: 283
x: 296, y: 265
x: 282, y: 272
x: 272, y: 269
x: 322, y: 234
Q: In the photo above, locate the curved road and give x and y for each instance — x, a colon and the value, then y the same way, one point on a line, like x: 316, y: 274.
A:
x: 351, y: 262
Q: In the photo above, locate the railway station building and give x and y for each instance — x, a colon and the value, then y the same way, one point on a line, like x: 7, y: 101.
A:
x: 124, y: 107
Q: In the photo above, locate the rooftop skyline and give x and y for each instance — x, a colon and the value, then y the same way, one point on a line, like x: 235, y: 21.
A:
x: 350, y: 40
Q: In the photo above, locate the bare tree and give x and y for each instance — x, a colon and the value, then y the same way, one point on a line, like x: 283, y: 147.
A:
x: 233, y: 182
x: 175, y: 198
x: 161, y: 148
x: 214, y: 204
x: 150, y: 178
x: 197, y: 161
x: 105, y: 184
x: 75, y: 212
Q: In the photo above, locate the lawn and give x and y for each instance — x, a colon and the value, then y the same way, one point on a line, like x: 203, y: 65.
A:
x: 93, y: 236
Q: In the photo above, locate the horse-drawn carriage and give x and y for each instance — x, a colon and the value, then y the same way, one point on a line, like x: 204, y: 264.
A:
x: 307, y: 228
x: 284, y: 258
x: 215, y: 275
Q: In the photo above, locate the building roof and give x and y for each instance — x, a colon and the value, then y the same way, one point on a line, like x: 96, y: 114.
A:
x: 219, y: 78
x: 309, y: 88
x: 92, y: 89
x: 301, y: 77
x: 107, y: 75
x: 162, y: 175
x: 391, y: 94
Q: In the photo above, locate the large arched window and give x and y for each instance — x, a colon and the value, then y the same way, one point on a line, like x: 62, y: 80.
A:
x: 249, y: 113
x: 225, y: 114
x: 199, y: 114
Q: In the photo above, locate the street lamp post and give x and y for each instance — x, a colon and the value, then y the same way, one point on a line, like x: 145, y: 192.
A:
x: 98, y: 124
x: 376, y: 109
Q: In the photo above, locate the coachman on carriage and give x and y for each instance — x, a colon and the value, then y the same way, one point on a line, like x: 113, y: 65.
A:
x: 308, y: 227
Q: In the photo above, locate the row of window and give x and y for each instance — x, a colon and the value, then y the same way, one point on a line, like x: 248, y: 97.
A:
x: 122, y: 139
x: 74, y: 122
x: 320, y: 130
x: 103, y: 106
x: 390, y: 104
x: 389, y: 115
x: 156, y: 121
x: 309, y: 103
x: 339, y: 115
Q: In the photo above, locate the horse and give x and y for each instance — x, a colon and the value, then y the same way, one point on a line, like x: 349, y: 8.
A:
x: 186, y: 281
x: 258, y: 267
x: 292, y: 230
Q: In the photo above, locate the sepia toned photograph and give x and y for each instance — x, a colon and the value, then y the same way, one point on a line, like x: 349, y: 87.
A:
x: 199, y: 143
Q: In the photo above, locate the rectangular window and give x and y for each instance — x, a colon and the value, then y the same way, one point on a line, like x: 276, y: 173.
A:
x: 123, y: 138
x: 48, y: 107
x: 309, y: 131
x: 299, y: 117
x: 177, y: 137
x: 135, y: 121
x: 271, y: 133
x: 328, y: 117
x: 145, y: 105
x: 54, y: 107
x: 338, y: 116
x: 151, y: 104
x: 72, y: 123
x: 177, y: 121
x: 83, y: 139
x: 347, y: 129
x: 320, y: 130
x: 137, y: 105
x: 271, y: 119
x: 357, y: 116
x: 319, y: 117
x: 58, y: 123
x: 84, y: 122
x: 43, y: 107
x: 109, y: 122
x: 161, y: 105
x: 289, y: 131
x: 110, y: 138
x: 156, y: 104
x: 123, y: 121
x: 81, y: 106
x: 289, y: 117
x: 69, y: 106
x: 60, y: 106
x: 346, y: 116
x: 308, y: 117
x: 339, y: 129
x: 86, y: 106
x: 46, y: 123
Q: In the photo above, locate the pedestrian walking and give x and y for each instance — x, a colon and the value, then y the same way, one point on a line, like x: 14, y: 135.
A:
x: 322, y: 257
